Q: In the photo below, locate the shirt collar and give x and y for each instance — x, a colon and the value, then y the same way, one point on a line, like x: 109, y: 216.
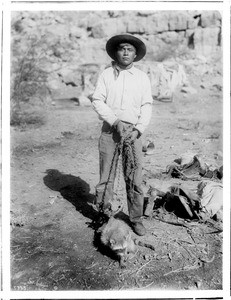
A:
x: 117, y: 69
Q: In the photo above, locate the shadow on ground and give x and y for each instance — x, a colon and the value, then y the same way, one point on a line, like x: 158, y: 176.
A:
x: 73, y: 189
x: 77, y: 192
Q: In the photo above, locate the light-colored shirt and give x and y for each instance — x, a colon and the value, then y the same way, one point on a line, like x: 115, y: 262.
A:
x: 126, y: 97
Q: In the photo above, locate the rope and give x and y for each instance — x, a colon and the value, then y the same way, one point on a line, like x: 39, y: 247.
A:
x: 126, y: 149
x: 110, y: 172
x: 129, y: 160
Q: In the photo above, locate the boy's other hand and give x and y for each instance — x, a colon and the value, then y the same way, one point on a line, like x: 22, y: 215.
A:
x: 132, y: 136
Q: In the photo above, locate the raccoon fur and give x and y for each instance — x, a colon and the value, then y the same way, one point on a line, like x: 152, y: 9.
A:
x: 117, y: 235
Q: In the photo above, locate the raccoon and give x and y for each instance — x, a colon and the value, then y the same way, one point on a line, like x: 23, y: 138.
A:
x: 117, y: 235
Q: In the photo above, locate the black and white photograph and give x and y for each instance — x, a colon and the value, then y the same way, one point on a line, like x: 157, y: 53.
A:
x: 110, y: 192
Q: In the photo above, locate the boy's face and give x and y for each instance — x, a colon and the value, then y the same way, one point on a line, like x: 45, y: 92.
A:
x: 125, y: 54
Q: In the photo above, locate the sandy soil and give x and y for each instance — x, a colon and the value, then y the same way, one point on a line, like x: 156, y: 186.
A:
x: 54, y: 170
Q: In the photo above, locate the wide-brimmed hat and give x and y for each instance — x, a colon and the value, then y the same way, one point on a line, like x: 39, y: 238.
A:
x: 112, y: 44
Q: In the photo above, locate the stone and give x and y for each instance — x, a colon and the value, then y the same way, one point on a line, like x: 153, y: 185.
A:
x: 58, y: 30
x: 156, y: 48
x: 172, y: 37
x: 107, y: 28
x: 188, y: 90
x: 157, y: 23
x: 54, y: 84
x: 84, y: 101
x: 71, y: 77
x: 91, y: 53
x: 193, y: 21
x: 76, y: 32
x: 210, y: 19
x: 178, y: 21
x: 145, y: 13
x: 206, y: 40
x: 137, y: 25
x: 116, y: 13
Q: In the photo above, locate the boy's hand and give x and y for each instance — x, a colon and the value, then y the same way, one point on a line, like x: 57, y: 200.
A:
x: 119, y: 126
x: 132, y: 136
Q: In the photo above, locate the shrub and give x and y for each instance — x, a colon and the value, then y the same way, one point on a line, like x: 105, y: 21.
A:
x: 26, y: 116
x: 28, y: 83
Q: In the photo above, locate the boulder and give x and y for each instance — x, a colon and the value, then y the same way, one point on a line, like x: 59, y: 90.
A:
x: 188, y: 90
x: 157, y: 23
x: 206, y: 39
x: 156, y: 48
x: 210, y: 19
x: 194, y: 20
x: 108, y: 28
x: 172, y: 37
x: 54, y: 84
x: 92, y: 51
x: 71, y: 77
x: 58, y: 30
x: 77, y: 32
x: 116, y: 13
x: 165, y: 78
x: 178, y: 21
x: 84, y: 101
x: 145, y: 13
x: 137, y: 25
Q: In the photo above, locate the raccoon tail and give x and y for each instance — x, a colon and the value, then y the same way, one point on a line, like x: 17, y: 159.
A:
x: 142, y: 244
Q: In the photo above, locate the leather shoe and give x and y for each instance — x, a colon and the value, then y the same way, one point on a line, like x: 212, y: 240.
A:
x: 139, y: 228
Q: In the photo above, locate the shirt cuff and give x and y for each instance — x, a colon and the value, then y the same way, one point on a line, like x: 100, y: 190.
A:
x: 140, y: 129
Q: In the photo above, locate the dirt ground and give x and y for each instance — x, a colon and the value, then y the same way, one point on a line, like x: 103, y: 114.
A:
x: 54, y: 170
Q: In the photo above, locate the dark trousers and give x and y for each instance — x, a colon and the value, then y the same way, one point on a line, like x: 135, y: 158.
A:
x: 107, y: 144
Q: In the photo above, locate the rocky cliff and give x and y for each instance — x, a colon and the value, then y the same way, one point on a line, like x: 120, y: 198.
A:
x: 70, y: 46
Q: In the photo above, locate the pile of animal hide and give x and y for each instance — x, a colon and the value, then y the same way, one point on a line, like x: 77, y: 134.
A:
x: 206, y: 203
x: 192, y: 167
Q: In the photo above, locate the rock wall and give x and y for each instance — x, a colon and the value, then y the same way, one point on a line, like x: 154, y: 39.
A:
x: 71, y: 45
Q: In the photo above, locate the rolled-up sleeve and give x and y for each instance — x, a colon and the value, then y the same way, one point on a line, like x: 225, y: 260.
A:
x: 98, y: 102
x: 146, y: 106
